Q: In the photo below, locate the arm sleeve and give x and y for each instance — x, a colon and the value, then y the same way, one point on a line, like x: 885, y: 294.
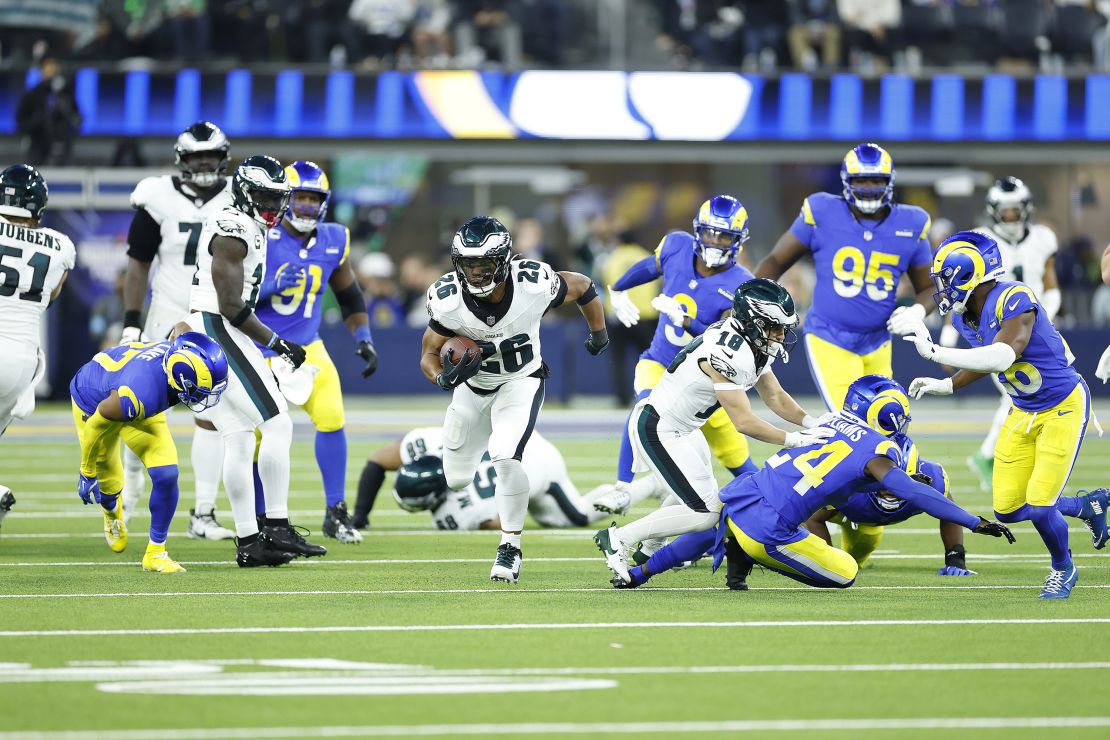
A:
x: 644, y: 271
x: 350, y: 301
x: 144, y: 237
x: 927, y: 499
x: 993, y: 358
x: 804, y: 225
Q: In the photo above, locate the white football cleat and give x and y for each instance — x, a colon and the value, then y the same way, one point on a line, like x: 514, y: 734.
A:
x: 203, y: 526
x: 617, y: 501
x: 612, y: 548
x: 506, y: 566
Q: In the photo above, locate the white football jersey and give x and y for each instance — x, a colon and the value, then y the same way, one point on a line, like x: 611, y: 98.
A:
x: 1025, y: 260
x: 181, y: 216
x: 233, y: 223
x: 32, y: 264
x: 509, y: 331
x: 684, y: 397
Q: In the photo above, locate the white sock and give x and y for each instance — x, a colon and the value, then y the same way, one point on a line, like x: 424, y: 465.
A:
x: 511, y: 494
x: 208, y: 462
x: 512, y: 539
x: 134, y: 481
x: 239, y: 480
x: 273, y: 464
x: 987, y: 448
x: 645, y: 487
x: 667, y: 521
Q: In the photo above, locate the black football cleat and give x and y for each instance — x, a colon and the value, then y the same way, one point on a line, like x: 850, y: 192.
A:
x: 261, y: 552
x: 287, y: 538
x: 338, y: 525
x: 739, y: 566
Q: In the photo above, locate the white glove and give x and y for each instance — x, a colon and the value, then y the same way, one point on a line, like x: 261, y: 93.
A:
x: 623, y: 307
x: 923, y: 344
x: 809, y: 422
x: 1102, y: 372
x: 131, y: 334
x: 670, y: 308
x: 930, y: 387
x: 808, y: 437
x: 949, y: 336
x: 904, y: 316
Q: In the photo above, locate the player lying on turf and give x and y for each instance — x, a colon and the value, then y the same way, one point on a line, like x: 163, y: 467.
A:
x: 716, y: 370
x: 121, y: 394
x: 1010, y: 335
x: 764, y: 512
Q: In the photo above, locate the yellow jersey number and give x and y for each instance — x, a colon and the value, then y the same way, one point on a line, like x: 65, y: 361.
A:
x: 1021, y: 379
x: 853, y: 273
x: 677, y: 335
x: 289, y: 300
x: 133, y: 348
x: 815, y: 464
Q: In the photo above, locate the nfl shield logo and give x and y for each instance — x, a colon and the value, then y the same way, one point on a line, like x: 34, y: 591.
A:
x: 491, y: 320
x: 693, y: 283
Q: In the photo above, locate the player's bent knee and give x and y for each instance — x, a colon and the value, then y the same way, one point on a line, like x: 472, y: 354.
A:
x: 163, y: 475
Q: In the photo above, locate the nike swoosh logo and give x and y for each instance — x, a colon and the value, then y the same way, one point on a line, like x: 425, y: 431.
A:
x: 1012, y: 306
x: 729, y: 355
x: 1061, y: 413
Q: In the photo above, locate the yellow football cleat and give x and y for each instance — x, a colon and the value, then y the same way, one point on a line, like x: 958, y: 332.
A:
x: 157, y: 560
x: 115, y: 531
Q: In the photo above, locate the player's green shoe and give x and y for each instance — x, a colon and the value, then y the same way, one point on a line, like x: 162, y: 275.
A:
x: 983, y: 467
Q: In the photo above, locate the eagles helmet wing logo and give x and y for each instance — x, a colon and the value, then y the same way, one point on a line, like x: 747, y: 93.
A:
x: 722, y: 367
x: 231, y: 227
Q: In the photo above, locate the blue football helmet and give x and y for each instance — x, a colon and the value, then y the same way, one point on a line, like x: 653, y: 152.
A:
x: 307, y: 177
x: 879, y: 402
x: 196, y: 370
x: 720, y: 230
x: 867, y: 161
x: 962, y: 263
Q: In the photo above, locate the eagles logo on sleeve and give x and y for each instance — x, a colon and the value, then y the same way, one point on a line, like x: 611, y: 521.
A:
x: 230, y: 227
x: 722, y: 367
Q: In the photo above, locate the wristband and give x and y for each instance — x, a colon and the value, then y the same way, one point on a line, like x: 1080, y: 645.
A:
x: 589, y: 295
x: 241, y: 317
x: 274, y: 338
x: 362, y: 334
x: 133, y: 318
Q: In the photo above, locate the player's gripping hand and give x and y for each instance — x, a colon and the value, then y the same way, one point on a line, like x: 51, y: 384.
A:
x: 456, y: 373
x: 903, y: 319
x: 369, y: 355
x: 1102, y: 372
x: 810, y: 422
x: 994, y: 529
x: 597, y: 342
x: 808, y: 437
x: 131, y: 334
x: 670, y: 308
x: 623, y: 307
x: 291, y: 351
x: 88, y: 488
x: 920, y: 387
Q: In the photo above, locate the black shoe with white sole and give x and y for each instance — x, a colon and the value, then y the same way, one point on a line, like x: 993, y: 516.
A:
x: 506, y: 566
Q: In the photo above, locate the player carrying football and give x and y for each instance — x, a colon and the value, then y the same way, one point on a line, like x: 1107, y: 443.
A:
x: 304, y: 256
x: 862, y: 243
x: 497, y: 391
x: 1010, y: 335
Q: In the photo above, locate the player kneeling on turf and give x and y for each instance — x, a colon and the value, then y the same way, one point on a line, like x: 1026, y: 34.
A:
x: 122, y: 394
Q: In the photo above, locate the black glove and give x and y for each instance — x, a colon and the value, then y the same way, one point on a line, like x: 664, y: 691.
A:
x: 994, y: 529
x: 923, y: 478
x: 365, y: 350
x: 597, y: 342
x: 289, y: 350
x: 456, y: 373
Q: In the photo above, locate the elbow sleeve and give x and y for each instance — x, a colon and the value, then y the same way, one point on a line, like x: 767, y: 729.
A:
x: 350, y: 301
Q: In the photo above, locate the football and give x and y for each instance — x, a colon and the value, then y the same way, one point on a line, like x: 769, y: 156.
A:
x: 457, y: 346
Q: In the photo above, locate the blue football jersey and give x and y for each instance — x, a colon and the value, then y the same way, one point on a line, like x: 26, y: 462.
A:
x: 704, y: 298
x: 1043, y: 375
x: 797, y: 482
x: 134, y: 371
x: 859, y: 265
x: 295, y: 312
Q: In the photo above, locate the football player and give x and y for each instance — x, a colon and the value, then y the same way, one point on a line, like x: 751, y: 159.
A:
x: 34, y: 262
x: 121, y: 394
x: 497, y: 391
x: 304, y: 256
x: 553, y: 500
x: 862, y: 242
x: 764, y: 512
x: 716, y: 370
x: 165, y: 232
x: 231, y: 262
x: 1029, y: 255
x: 1010, y: 335
x: 700, y: 276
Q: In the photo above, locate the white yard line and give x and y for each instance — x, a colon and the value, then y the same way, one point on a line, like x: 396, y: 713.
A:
x: 541, y: 626
x: 575, y: 728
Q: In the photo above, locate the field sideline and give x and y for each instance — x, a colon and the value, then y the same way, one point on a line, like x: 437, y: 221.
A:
x: 405, y: 636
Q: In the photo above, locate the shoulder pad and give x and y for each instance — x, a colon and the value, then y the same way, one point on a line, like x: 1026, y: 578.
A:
x: 814, y: 206
x: 1045, y: 237
x: 671, y: 244
x: 917, y: 218
x: 547, y: 282
x: 231, y: 222
x: 736, y: 365
x: 887, y: 448
x: 444, y: 295
x: 149, y: 191
x: 66, y: 250
x: 1015, y: 299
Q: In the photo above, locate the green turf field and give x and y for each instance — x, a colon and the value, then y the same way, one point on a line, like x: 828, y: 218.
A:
x: 405, y: 635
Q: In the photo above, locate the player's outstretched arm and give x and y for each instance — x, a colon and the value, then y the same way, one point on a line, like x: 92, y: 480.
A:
x: 787, y: 250
x: 778, y: 400
x: 734, y: 400
x: 581, y: 290
x: 96, y: 433
x: 352, y: 306
x: 641, y: 273
x: 996, y: 357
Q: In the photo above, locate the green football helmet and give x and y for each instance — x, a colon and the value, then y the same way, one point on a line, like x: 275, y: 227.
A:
x: 23, y: 192
x: 480, y: 252
x: 760, y: 308
x: 420, y: 485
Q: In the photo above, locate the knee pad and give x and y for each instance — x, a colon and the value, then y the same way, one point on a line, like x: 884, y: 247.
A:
x: 458, y: 479
x: 163, y: 475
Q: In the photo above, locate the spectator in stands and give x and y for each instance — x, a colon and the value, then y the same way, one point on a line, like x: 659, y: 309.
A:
x: 375, y: 277
x: 627, y: 341
x: 599, y: 242
x: 1023, y: 33
x: 1074, y: 29
x: 872, y: 30
x: 314, y: 29
x: 975, y: 36
x: 546, y: 30
x: 763, y: 30
x: 814, y: 25
x: 380, y: 30
x: 927, y: 25
x: 431, y: 38
x: 707, y: 31
x: 487, y: 30
x: 415, y: 275
x: 47, y: 115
